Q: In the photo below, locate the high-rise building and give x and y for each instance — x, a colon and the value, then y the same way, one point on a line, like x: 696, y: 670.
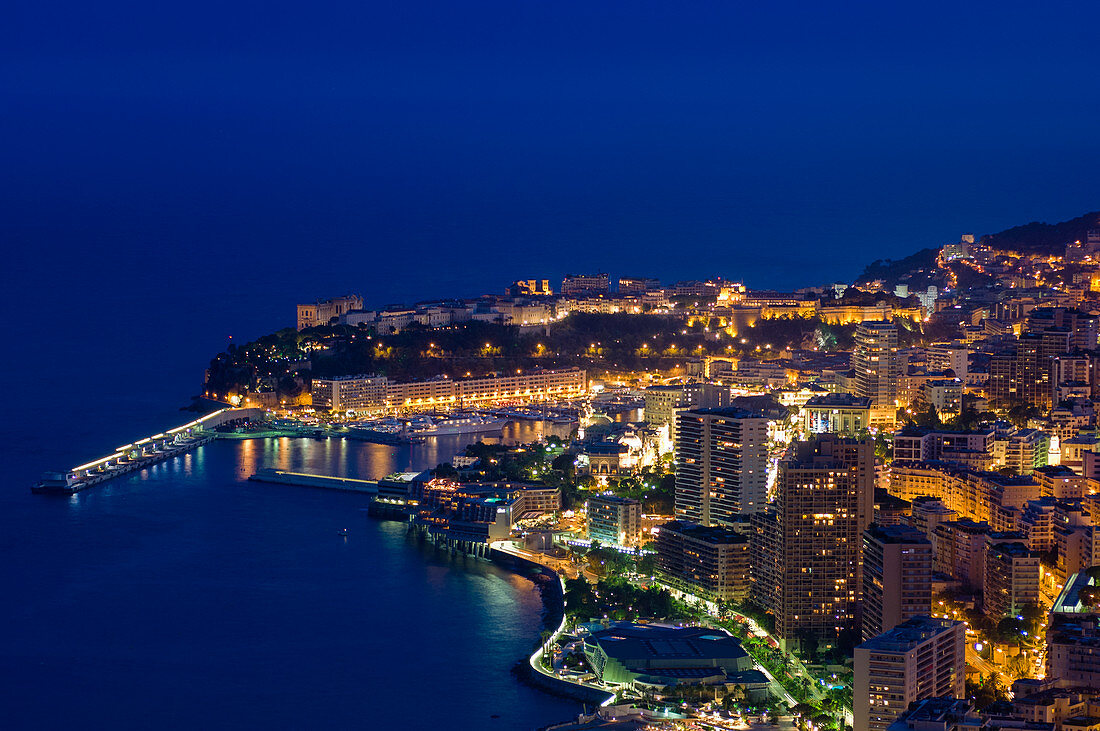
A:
x: 920, y: 658
x: 765, y: 546
x: 663, y: 403
x: 875, y: 360
x: 721, y: 465
x: 1028, y: 375
x: 959, y: 547
x: 825, y: 500
x: 897, y: 577
x: 1082, y: 326
x: 615, y: 520
x: 709, y: 562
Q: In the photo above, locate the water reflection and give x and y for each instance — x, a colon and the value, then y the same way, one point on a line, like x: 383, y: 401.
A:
x: 343, y: 457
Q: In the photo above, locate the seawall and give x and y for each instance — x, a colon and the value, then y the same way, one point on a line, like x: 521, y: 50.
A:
x: 553, y: 590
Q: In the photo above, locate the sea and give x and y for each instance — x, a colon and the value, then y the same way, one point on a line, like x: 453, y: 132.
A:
x: 186, y: 596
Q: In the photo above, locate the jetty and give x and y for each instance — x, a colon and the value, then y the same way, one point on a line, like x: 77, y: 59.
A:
x: 325, y: 482
x: 144, y: 452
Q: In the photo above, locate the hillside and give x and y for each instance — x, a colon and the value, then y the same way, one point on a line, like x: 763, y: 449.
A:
x: 919, y: 270
x: 916, y: 269
x: 1043, y: 238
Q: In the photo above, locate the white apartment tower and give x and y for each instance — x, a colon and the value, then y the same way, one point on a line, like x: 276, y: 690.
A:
x: 875, y: 361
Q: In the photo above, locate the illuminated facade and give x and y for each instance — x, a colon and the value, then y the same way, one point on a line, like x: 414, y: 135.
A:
x: 1011, y: 579
x: 837, y: 413
x: 583, y: 284
x: 721, y: 465
x: 824, y: 503
x: 712, y: 563
x: 377, y: 394
x: 921, y: 658
x: 875, y: 361
x: 321, y: 312
x: 615, y: 520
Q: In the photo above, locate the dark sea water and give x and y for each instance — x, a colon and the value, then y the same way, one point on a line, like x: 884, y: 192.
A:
x: 187, y: 597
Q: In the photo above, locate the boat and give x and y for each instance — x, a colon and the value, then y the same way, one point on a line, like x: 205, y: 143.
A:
x: 460, y: 424
x: 344, y: 531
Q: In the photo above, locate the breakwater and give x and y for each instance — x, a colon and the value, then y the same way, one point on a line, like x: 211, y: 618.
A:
x: 324, y: 482
x: 143, y: 452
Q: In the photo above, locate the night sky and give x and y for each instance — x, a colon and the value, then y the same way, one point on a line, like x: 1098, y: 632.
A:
x: 199, y: 168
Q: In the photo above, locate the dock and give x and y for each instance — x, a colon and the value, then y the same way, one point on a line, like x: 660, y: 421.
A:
x: 325, y: 482
x: 143, y: 453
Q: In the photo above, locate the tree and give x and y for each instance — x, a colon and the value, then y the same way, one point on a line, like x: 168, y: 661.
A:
x: 927, y: 417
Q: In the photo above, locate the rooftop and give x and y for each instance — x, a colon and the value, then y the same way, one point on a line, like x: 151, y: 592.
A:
x: 647, y: 642
x: 709, y: 534
x: 909, y: 634
x: 896, y: 534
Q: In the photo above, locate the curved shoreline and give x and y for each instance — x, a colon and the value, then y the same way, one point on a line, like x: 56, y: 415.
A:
x: 536, y: 674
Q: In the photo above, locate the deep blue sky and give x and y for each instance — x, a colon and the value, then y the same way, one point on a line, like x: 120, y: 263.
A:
x: 194, y: 169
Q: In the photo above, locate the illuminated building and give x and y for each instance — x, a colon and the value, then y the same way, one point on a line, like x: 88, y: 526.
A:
x: 531, y: 287
x: 919, y: 659
x: 379, y: 394
x: 960, y: 547
x: 584, y: 284
x: 349, y: 392
x: 656, y: 655
x: 477, y: 513
x: 875, y: 362
x: 712, y: 563
x: 637, y: 285
x: 1011, y: 579
x: 953, y: 357
x: 1027, y: 375
x: 1073, y: 638
x: 944, y: 394
x: 897, y: 577
x: 663, y: 403
x: 825, y: 500
x: 924, y: 444
x: 615, y: 520
x: 721, y: 465
x: 837, y: 413
x: 323, y: 311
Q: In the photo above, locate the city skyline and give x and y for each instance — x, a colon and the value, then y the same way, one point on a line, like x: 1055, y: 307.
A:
x: 695, y: 366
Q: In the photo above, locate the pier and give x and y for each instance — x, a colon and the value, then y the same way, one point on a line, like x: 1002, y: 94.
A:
x: 325, y: 482
x: 144, y: 452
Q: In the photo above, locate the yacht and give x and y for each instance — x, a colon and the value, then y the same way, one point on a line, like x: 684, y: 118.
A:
x: 459, y: 424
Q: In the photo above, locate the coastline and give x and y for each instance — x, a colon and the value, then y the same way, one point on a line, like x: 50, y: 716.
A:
x: 534, y: 673
x: 551, y: 588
